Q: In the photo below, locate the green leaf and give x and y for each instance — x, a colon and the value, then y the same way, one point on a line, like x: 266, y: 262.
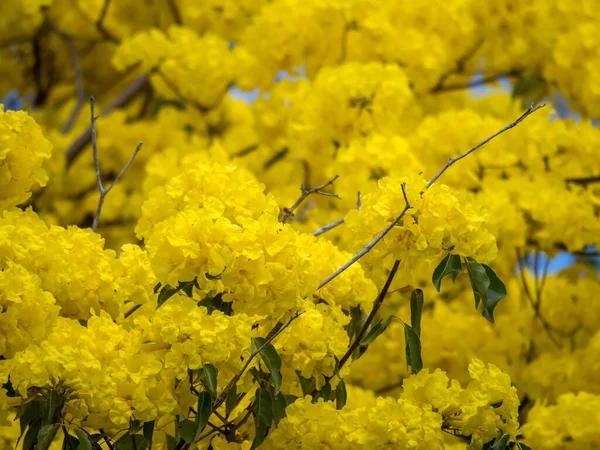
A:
x: 187, y: 288
x: 71, y: 443
x: 53, y: 403
x: 495, y: 293
x: 126, y: 442
x: 32, y: 433
x: 501, y: 442
x: 413, y: 349
x: 46, y: 436
x: 340, y: 395
x: 263, y: 416
x: 449, y: 265
x: 205, y: 402
x: 216, y: 303
x: 325, y: 392
x: 375, y: 331
x: 308, y: 385
x: 232, y: 400
x: 523, y: 446
x: 188, y: 431
x: 208, y: 378
x: 531, y: 88
x: 479, y: 281
x: 165, y: 294
x: 134, y: 425
x: 171, y: 442
x: 358, y: 317
x: 148, y: 432
x: 279, y: 405
x: 416, y: 310
x: 85, y: 441
x: 271, y: 359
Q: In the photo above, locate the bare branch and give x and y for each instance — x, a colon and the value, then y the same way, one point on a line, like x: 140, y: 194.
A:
x: 175, y: 11
x: 371, y: 244
x: 451, y: 161
x: 584, y: 181
x: 124, y: 97
x: 104, y: 191
x: 100, y: 23
x: 459, y: 68
x: 376, y: 305
x: 271, y: 336
x: 337, y: 223
x: 381, y: 235
x: 288, y: 212
x: 475, y: 83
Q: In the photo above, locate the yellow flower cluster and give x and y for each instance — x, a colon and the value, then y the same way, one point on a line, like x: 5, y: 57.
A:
x: 428, y: 404
x: 72, y: 267
x: 441, y: 220
x: 23, y: 150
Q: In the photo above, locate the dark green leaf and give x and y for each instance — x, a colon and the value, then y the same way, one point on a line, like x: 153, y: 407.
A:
x: 216, y: 303
x: 279, y: 405
x: 53, y: 402
x: 85, y: 441
x: 171, y: 442
x: 271, y: 359
x: 413, y: 349
x: 212, y: 277
x: 231, y: 401
x: 165, y: 294
x: 375, y: 331
x: 326, y: 391
x: 416, y: 310
x: 449, y: 265
x: 10, y: 390
x: 32, y: 433
x: 71, y: 443
x: 308, y: 385
x: 134, y: 425
x: 479, y: 281
x: 46, y: 436
x: 497, y: 405
x: 496, y: 292
x: 531, y: 88
x: 187, y: 288
x: 289, y: 399
x: 205, y: 402
x: 501, y: 442
x: 523, y: 446
x: 358, y: 317
x: 340, y: 395
x: 263, y: 416
x: 208, y: 377
x: 188, y: 431
x: 126, y: 442
x: 148, y: 432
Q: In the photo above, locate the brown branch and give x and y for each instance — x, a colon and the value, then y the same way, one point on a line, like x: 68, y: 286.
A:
x: 371, y: 244
x: 459, y: 67
x: 476, y: 83
x: 221, y: 398
x: 289, y: 212
x: 389, y: 387
x: 123, y: 99
x: 104, y: 191
x: 381, y: 235
x: 584, y: 181
x: 100, y: 23
x: 376, y: 305
x: 175, y: 11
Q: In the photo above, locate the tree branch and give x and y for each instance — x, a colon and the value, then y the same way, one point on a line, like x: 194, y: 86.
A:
x: 124, y: 97
x: 381, y: 235
x: 100, y: 23
x: 371, y: 244
x: 104, y: 191
x: 288, y: 212
x: 337, y: 223
x: 175, y: 11
x: 475, y: 83
x: 221, y: 398
x: 376, y: 305
x: 584, y: 181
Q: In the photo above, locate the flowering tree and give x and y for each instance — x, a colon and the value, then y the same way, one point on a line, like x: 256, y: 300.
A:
x: 357, y: 257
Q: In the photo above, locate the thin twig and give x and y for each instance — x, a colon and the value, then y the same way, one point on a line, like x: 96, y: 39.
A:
x: 104, y: 191
x: 337, y: 223
x: 480, y: 81
x: 221, y: 398
x: 78, y: 84
x: 100, y: 23
x: 389, y: 387
x: 289, y: 212
x: 451, y: 161
x: 376, y: 305
x: 124, y: 97
x: 106, y: 439
x: 374, y: 242
x: 175, y: 11
x: 459, y: 67
x: 584, y: 181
